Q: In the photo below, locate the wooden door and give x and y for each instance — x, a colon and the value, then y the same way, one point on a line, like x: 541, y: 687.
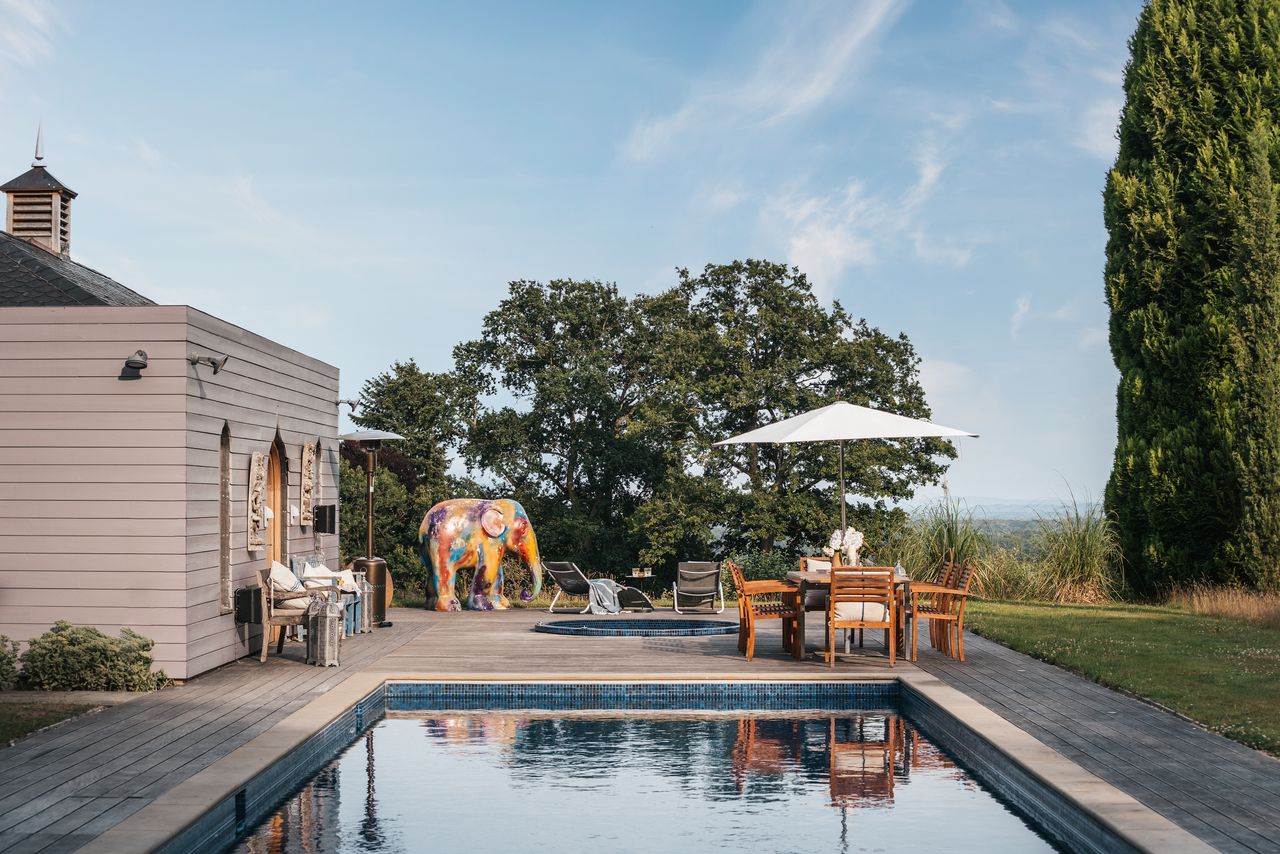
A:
x: 275, y: 494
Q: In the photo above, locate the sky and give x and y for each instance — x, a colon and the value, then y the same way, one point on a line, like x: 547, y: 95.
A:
x: 361, y: 181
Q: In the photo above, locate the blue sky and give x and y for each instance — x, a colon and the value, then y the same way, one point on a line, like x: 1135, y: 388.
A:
x: 317, y: 171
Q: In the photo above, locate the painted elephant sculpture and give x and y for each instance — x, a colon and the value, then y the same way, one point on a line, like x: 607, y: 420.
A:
x: 475, y: 533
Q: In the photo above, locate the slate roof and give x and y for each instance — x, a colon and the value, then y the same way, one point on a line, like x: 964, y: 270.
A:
x: 37, y: 178
x: 32, y: 276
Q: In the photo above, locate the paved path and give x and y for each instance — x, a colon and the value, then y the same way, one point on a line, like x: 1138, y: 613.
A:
x: 62, y: 787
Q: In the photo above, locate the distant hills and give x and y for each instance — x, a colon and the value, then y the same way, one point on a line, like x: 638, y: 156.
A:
x: 1012, y: 509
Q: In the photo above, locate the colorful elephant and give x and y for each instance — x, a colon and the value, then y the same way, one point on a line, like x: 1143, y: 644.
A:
x: 467, y: 533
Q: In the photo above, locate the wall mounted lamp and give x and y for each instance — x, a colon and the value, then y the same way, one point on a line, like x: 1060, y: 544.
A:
x: 351, y: 403
x: 137, y: 361
x: 215, y: 362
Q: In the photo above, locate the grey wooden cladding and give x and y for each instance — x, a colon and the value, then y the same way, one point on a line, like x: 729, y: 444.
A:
x: 109, y: 487
x: 266, y: 390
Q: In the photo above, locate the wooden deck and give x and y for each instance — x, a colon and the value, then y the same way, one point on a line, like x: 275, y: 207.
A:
x: 1219, y: 790
x: 63, y: 787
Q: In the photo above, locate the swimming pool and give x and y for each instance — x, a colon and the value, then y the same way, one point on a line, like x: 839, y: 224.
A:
x: 644, y: 767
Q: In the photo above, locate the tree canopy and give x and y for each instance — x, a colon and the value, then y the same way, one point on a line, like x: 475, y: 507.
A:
x: 599, y: 411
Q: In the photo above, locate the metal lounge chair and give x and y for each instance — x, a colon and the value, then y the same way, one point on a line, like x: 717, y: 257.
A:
x: 698, y: 583
x: 573, y: 582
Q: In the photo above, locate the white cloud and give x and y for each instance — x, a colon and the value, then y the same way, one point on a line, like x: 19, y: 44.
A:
x: 831, y: 233
x: 1096, y: 128
x: 1021, y: 309
x: 27, y: 28
x: 945, y: 252
x: 266, y: 226
x: 147, y: 153
x: 811, y: 59
x: 721, y: 198
x: 1092, y: 337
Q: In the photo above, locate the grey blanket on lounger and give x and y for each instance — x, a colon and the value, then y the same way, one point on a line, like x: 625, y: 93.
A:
x: 604, y: 596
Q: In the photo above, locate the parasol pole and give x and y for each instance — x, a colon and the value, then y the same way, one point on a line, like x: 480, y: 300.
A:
x: 843, y: 524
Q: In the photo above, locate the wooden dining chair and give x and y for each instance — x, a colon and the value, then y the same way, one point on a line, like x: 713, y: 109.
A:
x: 763, y: 600
x: 943, y: 606
x: 862, y: 597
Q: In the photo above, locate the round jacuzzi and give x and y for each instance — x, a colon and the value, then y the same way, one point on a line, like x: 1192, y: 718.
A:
x: 625, y: 628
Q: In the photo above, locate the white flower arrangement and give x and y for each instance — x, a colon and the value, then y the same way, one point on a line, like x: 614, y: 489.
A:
x: 848, y: 542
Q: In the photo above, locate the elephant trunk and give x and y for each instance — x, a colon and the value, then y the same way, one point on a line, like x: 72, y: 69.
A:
x: 529, y: 553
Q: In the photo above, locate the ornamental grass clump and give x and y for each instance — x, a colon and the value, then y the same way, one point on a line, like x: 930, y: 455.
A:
x: 81, y: 658
x: 942, y: 532
x: 1081, y: 556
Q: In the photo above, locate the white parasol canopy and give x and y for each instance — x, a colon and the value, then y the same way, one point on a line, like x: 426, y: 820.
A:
x: 841, y: 422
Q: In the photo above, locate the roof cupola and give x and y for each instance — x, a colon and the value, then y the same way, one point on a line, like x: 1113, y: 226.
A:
x: 39, y: 207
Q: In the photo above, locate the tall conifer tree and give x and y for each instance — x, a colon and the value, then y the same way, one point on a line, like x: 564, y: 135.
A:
x: 1192, y: 279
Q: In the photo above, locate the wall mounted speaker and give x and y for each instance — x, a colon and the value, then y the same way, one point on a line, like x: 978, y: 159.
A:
x: 325, y: 518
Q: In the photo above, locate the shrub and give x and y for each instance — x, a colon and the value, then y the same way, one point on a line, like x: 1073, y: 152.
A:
x: 766, y: 566
x: 8, y: 663
x: 81, y: 658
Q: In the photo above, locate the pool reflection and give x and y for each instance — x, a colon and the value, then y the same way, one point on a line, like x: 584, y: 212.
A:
x: 746, y: 777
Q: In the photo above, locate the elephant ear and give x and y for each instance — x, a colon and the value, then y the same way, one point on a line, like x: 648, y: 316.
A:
x: 493, y: 522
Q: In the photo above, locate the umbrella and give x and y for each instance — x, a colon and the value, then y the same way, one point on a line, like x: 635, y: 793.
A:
x: 841, y: 422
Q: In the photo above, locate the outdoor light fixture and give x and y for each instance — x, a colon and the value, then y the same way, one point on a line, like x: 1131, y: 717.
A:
x: 374, y: 568
x: 215, y: 362
x: 137, y: 361
x: 351, y: 403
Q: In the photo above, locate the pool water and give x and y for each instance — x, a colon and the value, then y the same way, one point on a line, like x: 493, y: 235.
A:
x: 672, y: 782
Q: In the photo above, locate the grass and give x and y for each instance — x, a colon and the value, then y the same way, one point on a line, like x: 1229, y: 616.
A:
x: 1260, y: 607
x: 1222, y: 672
x: 18, y: 719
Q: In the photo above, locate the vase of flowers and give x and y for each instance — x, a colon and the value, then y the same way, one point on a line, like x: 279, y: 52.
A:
x: 844, y: 546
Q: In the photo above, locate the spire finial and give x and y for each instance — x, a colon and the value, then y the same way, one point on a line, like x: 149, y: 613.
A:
x: 39, y: 145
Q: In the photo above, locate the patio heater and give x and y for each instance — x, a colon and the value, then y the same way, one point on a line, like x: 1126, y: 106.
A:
x: 374, y: 568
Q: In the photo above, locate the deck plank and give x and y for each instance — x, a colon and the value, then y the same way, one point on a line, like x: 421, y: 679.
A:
x: 62, y: 788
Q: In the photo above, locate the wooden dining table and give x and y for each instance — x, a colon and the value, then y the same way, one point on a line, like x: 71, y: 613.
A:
x: 815, y: 579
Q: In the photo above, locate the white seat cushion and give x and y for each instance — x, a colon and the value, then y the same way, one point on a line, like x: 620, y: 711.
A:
x: 299, y: 604
x: 318, y: 575
x: 866, y: 612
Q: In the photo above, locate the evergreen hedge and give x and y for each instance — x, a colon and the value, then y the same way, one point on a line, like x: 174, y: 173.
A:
x: 1192, y: 281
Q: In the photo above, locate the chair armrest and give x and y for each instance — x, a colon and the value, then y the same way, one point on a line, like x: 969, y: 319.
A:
x: 751, y: 588
x: 286, y: 595
x: 930, y: 587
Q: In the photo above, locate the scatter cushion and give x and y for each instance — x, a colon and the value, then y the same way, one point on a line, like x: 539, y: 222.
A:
x: 814, y: 564
x: 867, y: 612
x: 284, y: 581
x: 299, y: 604
x: 344, y: 580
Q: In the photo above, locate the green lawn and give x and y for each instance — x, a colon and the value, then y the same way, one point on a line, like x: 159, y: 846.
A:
x: 1224, y: 673
x: 20, y: 718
